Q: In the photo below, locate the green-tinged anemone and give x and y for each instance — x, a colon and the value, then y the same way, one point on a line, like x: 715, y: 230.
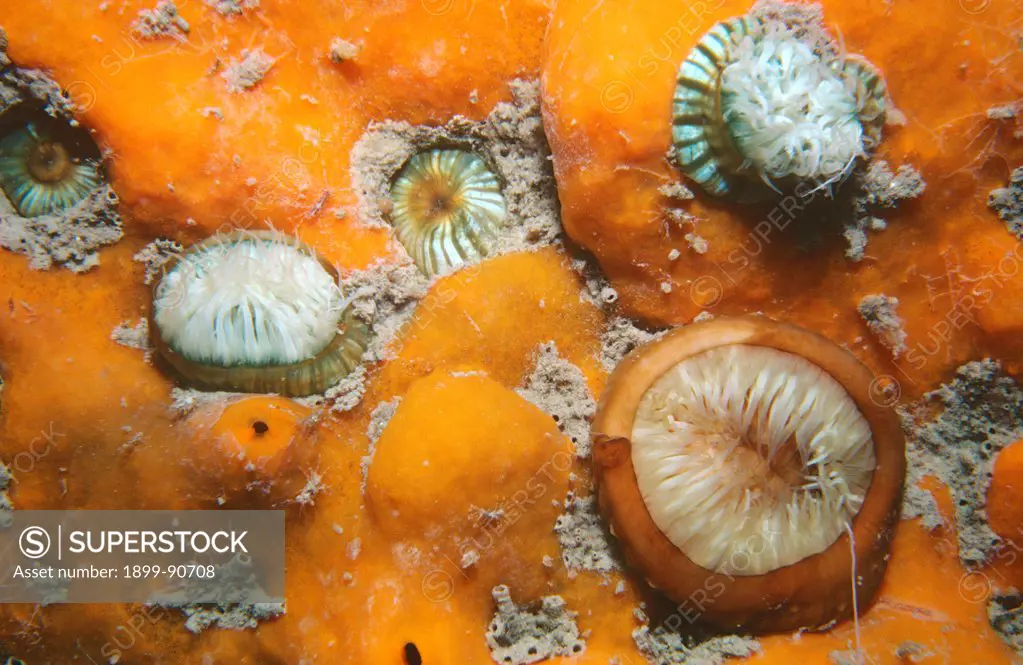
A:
x: 447, y: 209
x: 759, y: 106
x: 46, y: 165
x: 255, y: 312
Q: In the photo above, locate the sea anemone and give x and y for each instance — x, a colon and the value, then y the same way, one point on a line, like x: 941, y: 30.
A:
x: 750, y: 453
x: 46, y: 165
x: 758, y: 106
x: 255, y: 312
x: 447, y: 209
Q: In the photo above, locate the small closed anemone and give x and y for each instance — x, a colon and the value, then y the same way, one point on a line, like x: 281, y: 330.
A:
x: 255, y: 312
x: 46, y: 165
x: 743, y: 462
x: 447, y: 209
x: 760, y: 106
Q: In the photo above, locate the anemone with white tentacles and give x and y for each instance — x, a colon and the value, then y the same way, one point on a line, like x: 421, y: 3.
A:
x: 751, y: 451
x: 761, y: 106
x: 255, y: 312
x: 757, y: 443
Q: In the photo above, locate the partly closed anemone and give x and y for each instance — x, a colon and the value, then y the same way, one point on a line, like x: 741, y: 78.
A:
x: 255, y: 312
x: 758, y: 107
x: 447, y: 209
x: 46, y: 165
x: 742, y: 461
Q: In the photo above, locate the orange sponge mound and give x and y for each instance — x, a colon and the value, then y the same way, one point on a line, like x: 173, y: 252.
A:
x: 1005, y: 498
x: 458, y: 444
x: 257, y: 442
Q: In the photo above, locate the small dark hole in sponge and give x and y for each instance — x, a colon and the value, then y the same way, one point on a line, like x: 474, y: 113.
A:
x: 412, y: 656
x: 259, y: 427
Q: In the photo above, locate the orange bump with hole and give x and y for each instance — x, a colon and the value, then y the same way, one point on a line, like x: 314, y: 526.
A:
x: 265, y: 440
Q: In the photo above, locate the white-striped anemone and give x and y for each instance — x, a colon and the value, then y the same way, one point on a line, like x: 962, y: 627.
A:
x: 750, y: 452
x: 757, y: 108
x: 46, y: 166
x: 255, y: 312
x: 447, y: 209
x: 750, y: 458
